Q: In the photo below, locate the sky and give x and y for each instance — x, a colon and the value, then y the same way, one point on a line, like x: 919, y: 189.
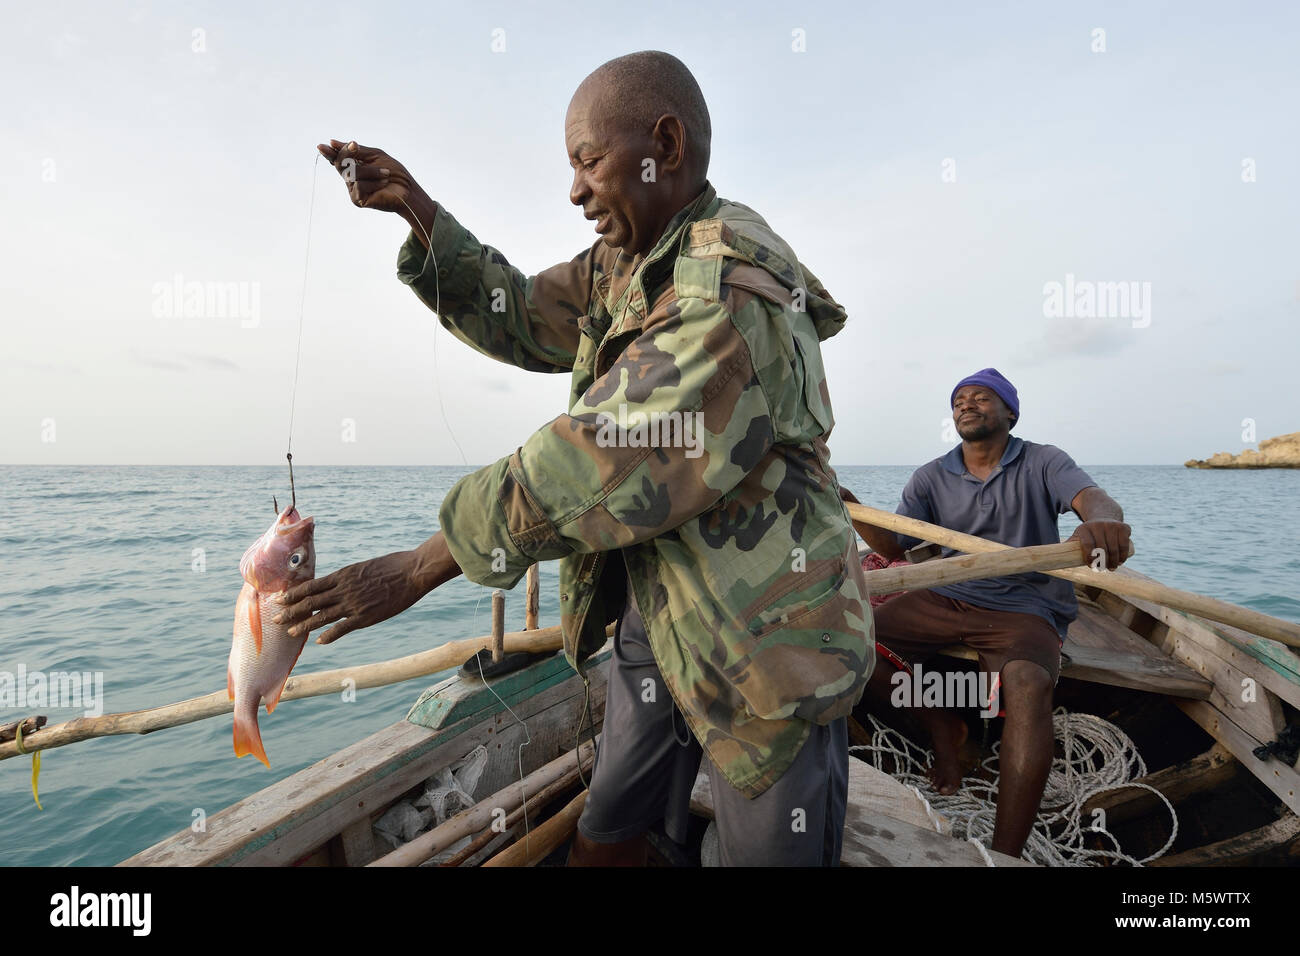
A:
x: 953, y: 175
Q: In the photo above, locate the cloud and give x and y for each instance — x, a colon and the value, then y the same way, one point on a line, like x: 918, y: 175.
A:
x: 188, y: 362
x: 214, y: 362
x: 1076, y: 338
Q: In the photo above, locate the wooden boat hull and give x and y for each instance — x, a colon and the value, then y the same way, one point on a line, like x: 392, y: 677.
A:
x: 324, y: 814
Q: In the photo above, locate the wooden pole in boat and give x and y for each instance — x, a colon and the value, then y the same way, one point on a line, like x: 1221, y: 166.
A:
x: 476, y: 818
x: 498, y: 626
x: 1117, y: 582
x: 968, y: 567
x: 532, y: 592
x: 534, y: 847
x: 393, y: 671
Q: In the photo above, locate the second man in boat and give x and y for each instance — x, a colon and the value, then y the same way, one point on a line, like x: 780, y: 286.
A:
x: 994, y: 485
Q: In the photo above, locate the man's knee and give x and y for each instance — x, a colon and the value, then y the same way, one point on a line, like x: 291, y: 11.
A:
x: 1027, y: 684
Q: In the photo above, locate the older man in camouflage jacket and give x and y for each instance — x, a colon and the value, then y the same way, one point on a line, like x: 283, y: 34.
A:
x: 686, y: 490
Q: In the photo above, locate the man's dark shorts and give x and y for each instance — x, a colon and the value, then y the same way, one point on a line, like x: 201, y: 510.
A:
x: 918, y: 623
x: 648, y: 761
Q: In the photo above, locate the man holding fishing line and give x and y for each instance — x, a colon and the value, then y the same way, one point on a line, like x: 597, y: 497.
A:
x: 686, y: 489
x: 996, y: 486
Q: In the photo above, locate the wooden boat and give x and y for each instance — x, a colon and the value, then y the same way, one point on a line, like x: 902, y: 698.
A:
x: 1223, y: 763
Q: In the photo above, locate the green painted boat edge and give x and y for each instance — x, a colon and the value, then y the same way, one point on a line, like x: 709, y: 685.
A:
x: 479, y: 704
x: 455, y: 702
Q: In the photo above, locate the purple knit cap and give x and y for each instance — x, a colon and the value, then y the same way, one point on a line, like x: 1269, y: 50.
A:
x: 991, y: 378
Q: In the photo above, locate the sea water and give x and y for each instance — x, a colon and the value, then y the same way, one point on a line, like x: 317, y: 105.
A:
x: 131, y: 574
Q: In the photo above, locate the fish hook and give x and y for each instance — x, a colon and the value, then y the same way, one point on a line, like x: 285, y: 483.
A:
x: 292, y: 491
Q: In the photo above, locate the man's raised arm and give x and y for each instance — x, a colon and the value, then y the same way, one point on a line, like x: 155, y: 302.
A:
x: 528, y: 322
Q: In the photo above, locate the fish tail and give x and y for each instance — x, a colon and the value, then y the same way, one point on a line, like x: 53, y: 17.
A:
x: 248, y: 738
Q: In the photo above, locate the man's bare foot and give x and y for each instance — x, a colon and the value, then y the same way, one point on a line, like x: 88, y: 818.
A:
x: 948, y: 732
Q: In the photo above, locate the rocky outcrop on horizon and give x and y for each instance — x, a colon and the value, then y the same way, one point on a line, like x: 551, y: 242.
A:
x: 1280, y: 452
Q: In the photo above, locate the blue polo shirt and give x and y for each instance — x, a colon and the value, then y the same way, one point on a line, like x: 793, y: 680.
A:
x: 1017, y: 505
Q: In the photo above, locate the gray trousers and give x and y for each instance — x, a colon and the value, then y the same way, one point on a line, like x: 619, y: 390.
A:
x: 648, y: 761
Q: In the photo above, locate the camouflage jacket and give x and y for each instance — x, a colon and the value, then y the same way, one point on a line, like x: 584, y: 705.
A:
x: 740, y: 553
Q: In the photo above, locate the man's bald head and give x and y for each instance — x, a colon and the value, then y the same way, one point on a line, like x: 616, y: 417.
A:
x: 633, y: 92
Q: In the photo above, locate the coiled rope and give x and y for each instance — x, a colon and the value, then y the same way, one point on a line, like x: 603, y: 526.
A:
x: 1097, y: 757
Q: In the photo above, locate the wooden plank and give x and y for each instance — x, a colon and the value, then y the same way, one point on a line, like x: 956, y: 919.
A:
x: 1277, y: 656
x: 885, y: 825
x: 288, y: 819
x: 1273, y: 654
x: 1253, y: 708
x: 877, y: 840
x: 1284, y: 781
x: 1208, y: 637
x: 870, y: 790
x: 455, y: 700
x: 551, y: 719
x: 358, y: 842
x: 1096, y: 628
x: 1156, y: 675
x: 1280, y: 838
x: 1202, y: 773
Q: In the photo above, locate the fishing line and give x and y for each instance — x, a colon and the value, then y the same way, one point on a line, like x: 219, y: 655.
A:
x: 478, y: 659
x: 297, y: 359
x: 437, y: 310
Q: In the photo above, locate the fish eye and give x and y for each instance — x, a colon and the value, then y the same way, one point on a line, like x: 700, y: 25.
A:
x: 295, y: 559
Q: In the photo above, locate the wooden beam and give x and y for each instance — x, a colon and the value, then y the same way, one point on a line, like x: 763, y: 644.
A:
x: 1280, y: 839
x: 1202, y: 773
x: 1284, y: 781
x: 1119, y: 669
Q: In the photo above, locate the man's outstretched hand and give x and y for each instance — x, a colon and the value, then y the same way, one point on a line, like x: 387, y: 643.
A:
x: 377, y: 181
x: 368, y: 592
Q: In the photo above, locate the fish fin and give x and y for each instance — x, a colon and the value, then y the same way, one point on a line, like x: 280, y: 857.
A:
x: 273, y: 698
x: 252, y: 606
x: 230, y: 682
x: 248, y: 738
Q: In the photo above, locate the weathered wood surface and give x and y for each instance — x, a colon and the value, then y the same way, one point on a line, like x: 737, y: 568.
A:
x: 1279, y: 840
x: 1201, y: 774
x: 886, y: 824
x: 394, y: 671
x: 1103, y: 651
x: 29, y: 726
x: 1284, y: 781
x: 1206, y: 635
x: 474, y: 819
x: 871, y: 790
x: 282, y: 823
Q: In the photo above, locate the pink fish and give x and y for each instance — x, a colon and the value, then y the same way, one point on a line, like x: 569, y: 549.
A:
x: 263, y: 654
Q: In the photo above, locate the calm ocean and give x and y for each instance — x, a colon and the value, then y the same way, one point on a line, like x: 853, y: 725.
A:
x: 133, y: 572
